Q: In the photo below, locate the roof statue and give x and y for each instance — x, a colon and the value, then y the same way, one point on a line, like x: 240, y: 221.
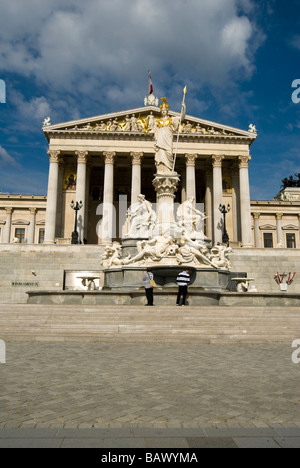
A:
x: 47, y: 122
x: 252, y: 128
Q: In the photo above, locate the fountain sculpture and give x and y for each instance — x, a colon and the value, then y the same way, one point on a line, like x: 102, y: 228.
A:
x: 164, y: 240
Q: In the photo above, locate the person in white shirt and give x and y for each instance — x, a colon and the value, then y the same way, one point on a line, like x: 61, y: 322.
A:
x: 148, y: 276
x: 183, y: 280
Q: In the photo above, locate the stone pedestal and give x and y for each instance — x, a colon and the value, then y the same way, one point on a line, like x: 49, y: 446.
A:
x: 166, y: 186
x: 129, y: 247
x: 125, y: 278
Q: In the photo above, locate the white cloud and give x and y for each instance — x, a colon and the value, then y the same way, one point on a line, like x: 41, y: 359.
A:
x: 84, y: 47
x: 6, y: 158
x: 30, y: 113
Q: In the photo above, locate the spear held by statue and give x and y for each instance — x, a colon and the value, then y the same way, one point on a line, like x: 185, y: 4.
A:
x: 182, y: 116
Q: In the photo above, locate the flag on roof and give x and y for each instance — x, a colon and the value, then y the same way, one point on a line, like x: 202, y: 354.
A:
x: 150, y: 83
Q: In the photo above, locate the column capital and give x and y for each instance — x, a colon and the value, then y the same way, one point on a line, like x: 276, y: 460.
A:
x: 9, y: 210
x: 82, y: 156
x: 109, y: 157
x: 256, y: 215
x: 32, y: 210
x: 244, y: 161
x: 217, y: 160
x: 190, y: 159
x: 136, y: 157
x: 279, y: 215
x: 54, y: 156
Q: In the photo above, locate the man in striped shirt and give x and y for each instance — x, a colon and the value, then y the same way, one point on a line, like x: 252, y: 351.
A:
x: 183, y: 280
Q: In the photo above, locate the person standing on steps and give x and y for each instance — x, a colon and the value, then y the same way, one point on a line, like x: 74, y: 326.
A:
x: 183, y: 280
x: 148, y: 279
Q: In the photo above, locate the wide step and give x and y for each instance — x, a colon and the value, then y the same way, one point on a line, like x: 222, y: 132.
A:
x: 139, y: 323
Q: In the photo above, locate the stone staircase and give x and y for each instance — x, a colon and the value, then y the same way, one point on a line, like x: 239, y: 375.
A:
x: 166, y: 324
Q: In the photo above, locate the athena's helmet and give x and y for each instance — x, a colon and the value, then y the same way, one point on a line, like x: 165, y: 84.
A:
x: 164, y: 103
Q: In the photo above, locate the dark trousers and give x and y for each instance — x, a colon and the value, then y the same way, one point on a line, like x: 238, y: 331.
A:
x: 182, y: 291
x: 149, y: 295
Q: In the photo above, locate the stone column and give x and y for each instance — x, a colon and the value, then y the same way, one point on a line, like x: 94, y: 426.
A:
x: 279, y: 229
x: 136, y: 183
x: 81, y: 191
x: 236, y: 219
x: 87, y: 191
x: 108, y: 198
x: 58, y: 230
x: 245, y: 201
x: 190, y: 175
x: 183, y: 185
x: 31, y: 230
x: 52, y: 197
x: 256, y: 217
x: 7, y: 229
x: 217, y: 198
x: 165, y: 187
x: 208, y: 205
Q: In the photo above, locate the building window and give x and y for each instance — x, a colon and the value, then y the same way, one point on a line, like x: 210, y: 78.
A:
x: 291, y: 241
x: 20, y: 235
x: 41, y: 236
x: 268, y: 240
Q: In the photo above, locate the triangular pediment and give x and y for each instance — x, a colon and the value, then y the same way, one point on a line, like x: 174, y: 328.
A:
x: 267, y: 227
x: 290, y: 227
x: 21, y: 222
x: 140, y: 121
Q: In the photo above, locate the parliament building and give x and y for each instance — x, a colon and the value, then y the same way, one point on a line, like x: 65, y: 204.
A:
x: 109, y: 160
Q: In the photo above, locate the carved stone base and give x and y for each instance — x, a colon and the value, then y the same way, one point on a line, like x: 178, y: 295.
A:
x: 166, y: 186
x: 165, y: 276
x: 129, y: 247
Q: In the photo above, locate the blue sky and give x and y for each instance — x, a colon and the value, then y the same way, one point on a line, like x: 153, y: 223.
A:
x: 75, y: 59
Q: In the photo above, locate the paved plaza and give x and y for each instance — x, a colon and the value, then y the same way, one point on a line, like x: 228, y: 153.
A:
x: 139, y: 394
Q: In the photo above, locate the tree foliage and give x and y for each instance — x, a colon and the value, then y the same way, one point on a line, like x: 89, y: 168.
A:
x: 291, y: 181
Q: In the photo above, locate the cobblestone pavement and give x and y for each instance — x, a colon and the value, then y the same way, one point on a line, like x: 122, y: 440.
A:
x: 102, y: 385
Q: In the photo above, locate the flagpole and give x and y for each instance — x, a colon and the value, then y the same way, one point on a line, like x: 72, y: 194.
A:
x: 174, y: 162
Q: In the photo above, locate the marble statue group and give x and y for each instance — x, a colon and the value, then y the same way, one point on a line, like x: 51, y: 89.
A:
x: 164, y: 237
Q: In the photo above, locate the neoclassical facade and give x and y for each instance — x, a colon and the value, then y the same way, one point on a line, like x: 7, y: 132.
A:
x: 109, y: 160
x: 22, y: 219
x: 106, y: 162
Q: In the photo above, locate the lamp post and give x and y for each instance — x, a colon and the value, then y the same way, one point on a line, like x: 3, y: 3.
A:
x: 224, y: 211
x: 76, y: 207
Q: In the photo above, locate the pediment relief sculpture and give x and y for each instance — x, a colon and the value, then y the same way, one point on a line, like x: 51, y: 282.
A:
x: 145, y: 123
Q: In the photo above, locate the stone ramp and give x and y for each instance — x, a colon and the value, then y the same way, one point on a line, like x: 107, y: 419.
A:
x: 165, y: 324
